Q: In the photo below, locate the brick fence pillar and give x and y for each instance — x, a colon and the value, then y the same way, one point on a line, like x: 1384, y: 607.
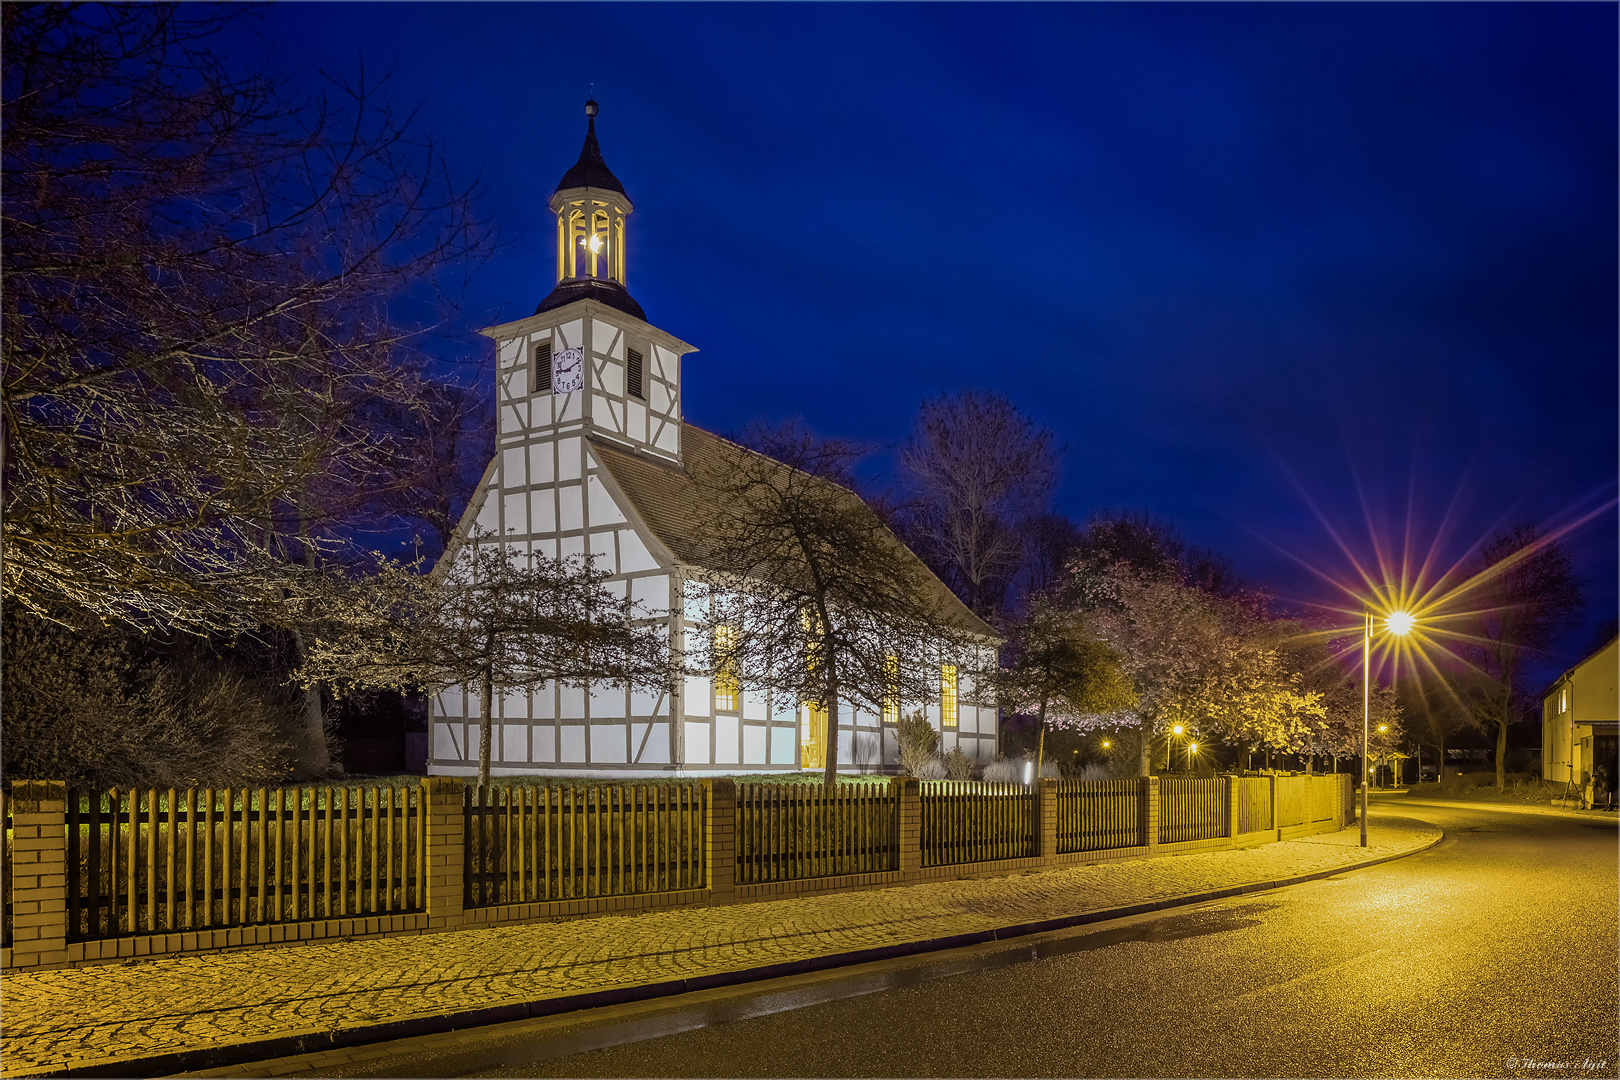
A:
x: 720, y: 838
x: 908, y: 827
x: 445, y: 850
x: 1231, y: 807
x: 1149, y: 815
x: 1046, y: 819
x: 38, y: 873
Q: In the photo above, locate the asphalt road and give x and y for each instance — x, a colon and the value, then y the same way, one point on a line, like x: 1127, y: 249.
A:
x: 1493, y: 954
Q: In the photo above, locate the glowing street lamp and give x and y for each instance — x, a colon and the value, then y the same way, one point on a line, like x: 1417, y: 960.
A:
x: 1398, y: 623
x: 1192, y: 748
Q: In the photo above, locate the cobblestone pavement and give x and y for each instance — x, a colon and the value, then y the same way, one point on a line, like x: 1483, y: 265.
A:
x: 112, y: 1017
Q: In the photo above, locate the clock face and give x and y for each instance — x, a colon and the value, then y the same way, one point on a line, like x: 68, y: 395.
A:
x: 568, y: 371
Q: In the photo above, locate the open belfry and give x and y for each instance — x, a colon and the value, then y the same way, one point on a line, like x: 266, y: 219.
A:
x: 593, y: 458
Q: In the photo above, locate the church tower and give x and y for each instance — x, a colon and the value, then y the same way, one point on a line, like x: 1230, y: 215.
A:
x: 587, y: 359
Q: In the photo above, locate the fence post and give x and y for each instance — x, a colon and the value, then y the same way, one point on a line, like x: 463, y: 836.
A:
x: 445, y: 850
x: 38, y: 873
x: 720, y: 838
x: 1046, y: 819
x: 1231, y: 808
x: 1149, y: 815
x: 908, y: 826
x: 1271, y: 781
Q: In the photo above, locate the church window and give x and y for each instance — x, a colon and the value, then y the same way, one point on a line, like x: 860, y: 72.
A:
x: 947, y: 695
x: 891, y: 689
x: 726, y: 686
x: 540, y: 368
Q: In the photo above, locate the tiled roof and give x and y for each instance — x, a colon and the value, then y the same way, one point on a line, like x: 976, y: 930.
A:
x: 674, y: 507
x: 606, y: 290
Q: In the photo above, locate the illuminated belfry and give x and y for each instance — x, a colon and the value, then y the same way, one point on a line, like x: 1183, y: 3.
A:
x: 591, y: 206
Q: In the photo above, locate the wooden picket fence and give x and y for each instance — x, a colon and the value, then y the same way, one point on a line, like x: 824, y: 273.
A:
x: 1096, y: 815
x: 965, y: 822
x: 1253, y: 795
x: 5, y: 870
x: 165, y: 861
x: 790, y: 832
x: 527, y: 843
x: 1191, y: 810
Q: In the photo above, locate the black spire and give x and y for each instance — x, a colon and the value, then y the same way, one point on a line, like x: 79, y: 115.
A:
x: 590, y: 170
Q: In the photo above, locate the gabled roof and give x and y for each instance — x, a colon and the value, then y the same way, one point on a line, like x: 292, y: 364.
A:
x: 674, y: 507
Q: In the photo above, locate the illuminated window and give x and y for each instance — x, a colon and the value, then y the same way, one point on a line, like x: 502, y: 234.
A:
x: 813, y: 738
x: 947, y: 695
x: 891, y: 690
x: 725, y: 678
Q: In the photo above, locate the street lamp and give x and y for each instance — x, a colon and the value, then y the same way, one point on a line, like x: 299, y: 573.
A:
x: 1192, y: 748
x: 1398, y: 623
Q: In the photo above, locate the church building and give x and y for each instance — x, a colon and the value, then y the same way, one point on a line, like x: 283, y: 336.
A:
x: 592, y: 455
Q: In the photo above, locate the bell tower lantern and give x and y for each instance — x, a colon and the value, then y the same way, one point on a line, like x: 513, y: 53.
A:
x: 591, y: 208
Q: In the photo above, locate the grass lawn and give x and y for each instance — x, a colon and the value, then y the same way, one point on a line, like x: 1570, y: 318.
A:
x: 1481, y: 787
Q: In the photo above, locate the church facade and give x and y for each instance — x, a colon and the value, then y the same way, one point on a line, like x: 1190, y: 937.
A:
x: 592, y: 456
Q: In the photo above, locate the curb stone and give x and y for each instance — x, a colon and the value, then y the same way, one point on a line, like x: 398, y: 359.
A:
x: 312, y: 1041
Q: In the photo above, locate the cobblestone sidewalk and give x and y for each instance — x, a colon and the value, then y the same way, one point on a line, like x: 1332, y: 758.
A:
x: 170, y: 1014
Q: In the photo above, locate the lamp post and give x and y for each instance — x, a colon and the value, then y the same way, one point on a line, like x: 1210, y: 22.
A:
x: 1398, y: 623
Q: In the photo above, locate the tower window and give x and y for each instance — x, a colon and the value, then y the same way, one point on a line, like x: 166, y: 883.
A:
x: 540, y: 368
x: 636, y: 365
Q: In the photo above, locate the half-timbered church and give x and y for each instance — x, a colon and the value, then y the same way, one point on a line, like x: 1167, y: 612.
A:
x: 592, y: 457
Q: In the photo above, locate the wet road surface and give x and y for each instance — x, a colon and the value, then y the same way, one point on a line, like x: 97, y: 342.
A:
x: 1493, y: 954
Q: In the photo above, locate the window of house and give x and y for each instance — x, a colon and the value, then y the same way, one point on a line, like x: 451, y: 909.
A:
x: 891, y: 690
x: 947, y: 695
x: 540, y: 367
x: 726, y: 686
x: 637, y: 366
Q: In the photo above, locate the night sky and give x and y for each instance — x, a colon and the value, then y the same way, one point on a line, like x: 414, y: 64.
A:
x: 1272, y: 272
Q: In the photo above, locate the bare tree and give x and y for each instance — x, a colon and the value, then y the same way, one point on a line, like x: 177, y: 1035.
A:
x: 490, y: 617
x: 979, y: 468
x: 809, y: 593
x: 1522, y: 595
x: 202, y: 374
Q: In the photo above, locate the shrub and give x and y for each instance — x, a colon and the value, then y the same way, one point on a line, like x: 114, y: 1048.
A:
x: 931, y: 769
x: 918, y: 744
x: 1005, y: 770
x: 958, y: 765
x: 1094, y: 772
x: 97, y: 707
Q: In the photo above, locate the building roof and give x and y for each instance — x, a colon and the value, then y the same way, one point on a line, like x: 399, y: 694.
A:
x: 591, y: 170
x: 674, y: 507
x: 606, y: 290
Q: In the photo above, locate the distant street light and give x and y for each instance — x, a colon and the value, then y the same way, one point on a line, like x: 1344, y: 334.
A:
x: 1192, y: 748
x: 1398, y: 623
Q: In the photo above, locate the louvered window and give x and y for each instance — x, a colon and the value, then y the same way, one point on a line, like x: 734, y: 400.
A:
x: 540, y: 371
x: 636, y: 366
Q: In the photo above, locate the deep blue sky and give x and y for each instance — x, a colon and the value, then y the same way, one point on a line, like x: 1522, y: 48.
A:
x: 1243, y: 259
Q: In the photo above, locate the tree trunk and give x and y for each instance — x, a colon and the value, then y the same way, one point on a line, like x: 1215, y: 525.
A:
x: 1040, y: 738
x: 1147, y: 747
x: 314, y: 757
x: 486, y: 725
x: 829, y: 774
x: 1501, y: 755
